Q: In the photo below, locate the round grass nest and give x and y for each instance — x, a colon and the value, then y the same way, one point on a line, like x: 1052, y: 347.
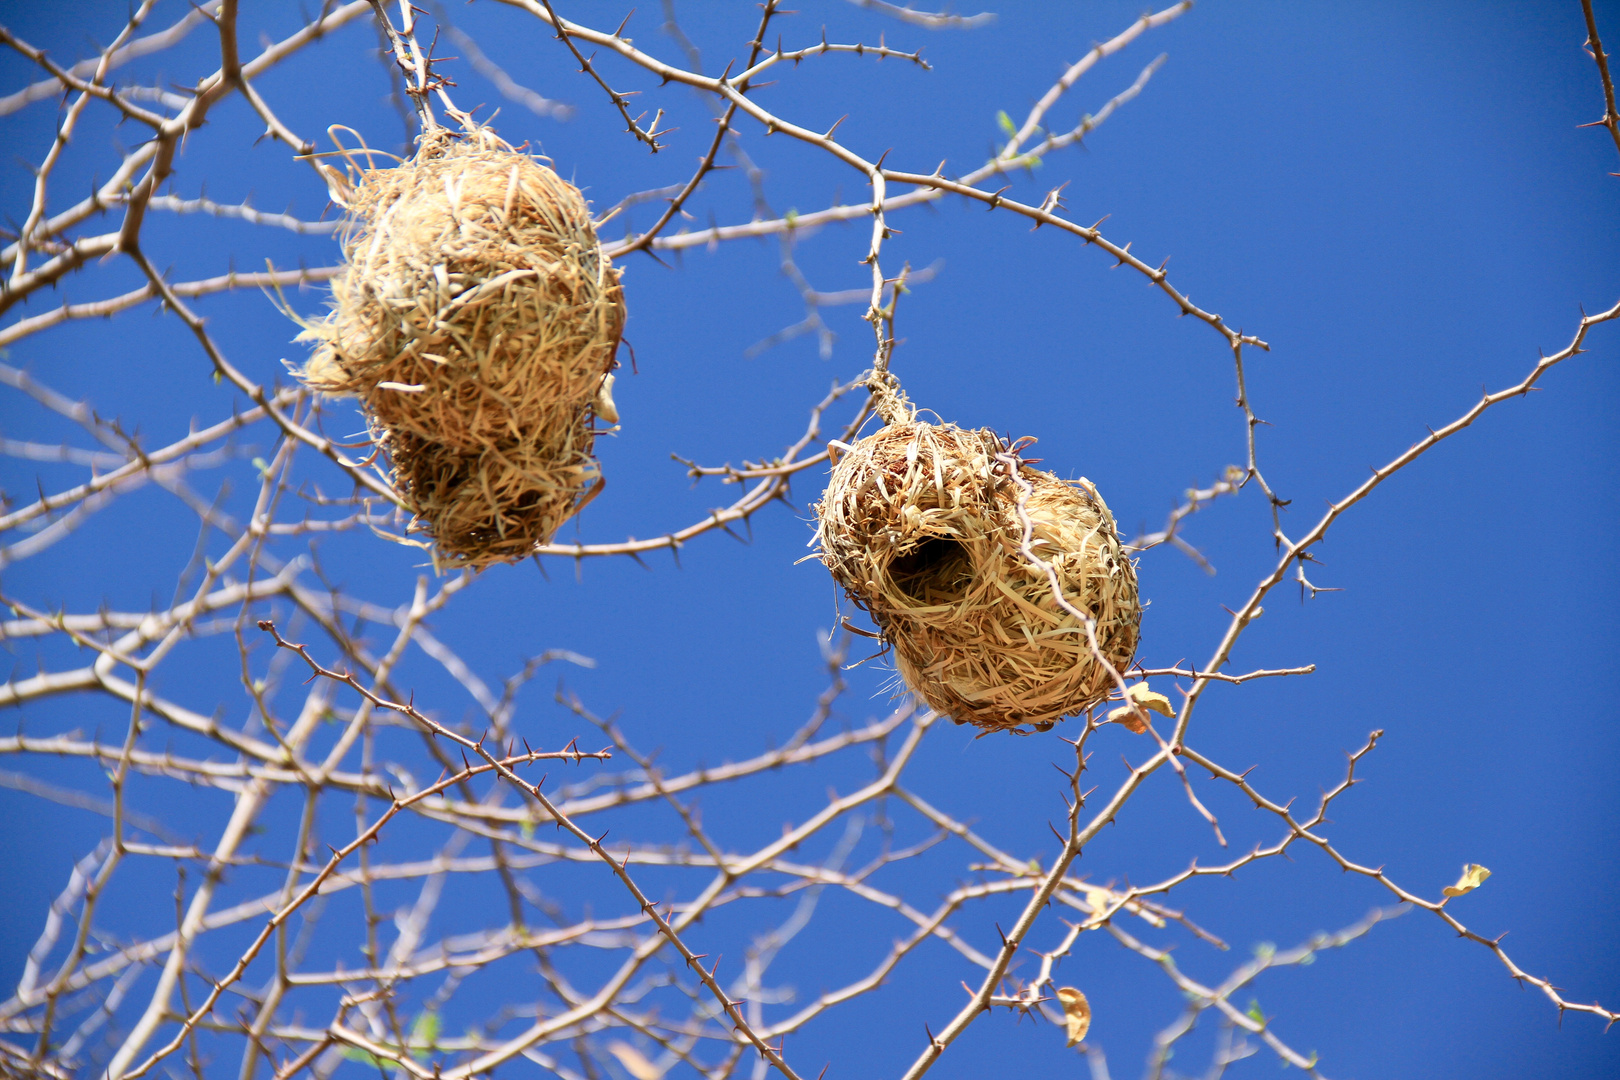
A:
x: 923, y: 525
x: 476, y: 321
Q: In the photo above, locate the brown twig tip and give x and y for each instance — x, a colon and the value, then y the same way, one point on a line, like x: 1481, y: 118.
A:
x: 565, y: 33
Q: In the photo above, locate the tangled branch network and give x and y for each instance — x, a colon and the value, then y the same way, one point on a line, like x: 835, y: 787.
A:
x: 305, y: 863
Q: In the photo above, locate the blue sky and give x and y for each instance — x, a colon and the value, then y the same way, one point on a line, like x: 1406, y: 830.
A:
x: 1396, y: 197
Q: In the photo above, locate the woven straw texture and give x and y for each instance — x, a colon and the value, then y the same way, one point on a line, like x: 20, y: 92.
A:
x: 477, y: 322
x: 923, y: 525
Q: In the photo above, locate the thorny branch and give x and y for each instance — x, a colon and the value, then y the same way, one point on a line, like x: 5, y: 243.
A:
x: 342, y: 762
x: 1594, y: 45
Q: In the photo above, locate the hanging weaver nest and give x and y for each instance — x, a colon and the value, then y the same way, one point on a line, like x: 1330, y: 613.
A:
x: 923, y: 525
x: 477, y: 322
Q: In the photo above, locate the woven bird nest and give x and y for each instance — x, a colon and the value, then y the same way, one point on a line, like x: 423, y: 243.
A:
x: 477, y: 322
x: 924, y: 526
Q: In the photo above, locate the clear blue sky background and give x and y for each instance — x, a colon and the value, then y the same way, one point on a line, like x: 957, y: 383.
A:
x: 1395, y: 196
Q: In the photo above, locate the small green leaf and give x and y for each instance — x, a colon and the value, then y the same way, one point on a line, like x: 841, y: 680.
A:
x: 1254, y: 1012
x: 262, y: 465
x: 1006, y: 123
x: 424, y: 1033
x: 355, y: 1054
x: 218, y: 377
x: 791, y: 217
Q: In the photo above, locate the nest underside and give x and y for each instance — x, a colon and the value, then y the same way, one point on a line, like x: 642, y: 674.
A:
x: 476, y: 321
x: 923, y: 525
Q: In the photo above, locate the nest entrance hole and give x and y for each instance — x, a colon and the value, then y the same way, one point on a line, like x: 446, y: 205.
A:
x: 936, y: 571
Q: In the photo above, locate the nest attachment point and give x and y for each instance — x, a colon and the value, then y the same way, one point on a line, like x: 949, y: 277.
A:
x: 923, y: 525
x: 477, y: 322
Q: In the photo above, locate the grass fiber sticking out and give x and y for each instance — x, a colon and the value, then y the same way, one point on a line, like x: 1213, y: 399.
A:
x: 922, y: 525
x: 477, y: 322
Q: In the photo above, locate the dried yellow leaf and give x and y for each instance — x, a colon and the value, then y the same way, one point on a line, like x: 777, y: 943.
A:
x: 1127, y: 715
x: 1146, y: 698
x: 1140, y: 697
x: 635, y: 1063
x: 1473, y: 876
x: 1076, y: 1013
x: 1098, y: 899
